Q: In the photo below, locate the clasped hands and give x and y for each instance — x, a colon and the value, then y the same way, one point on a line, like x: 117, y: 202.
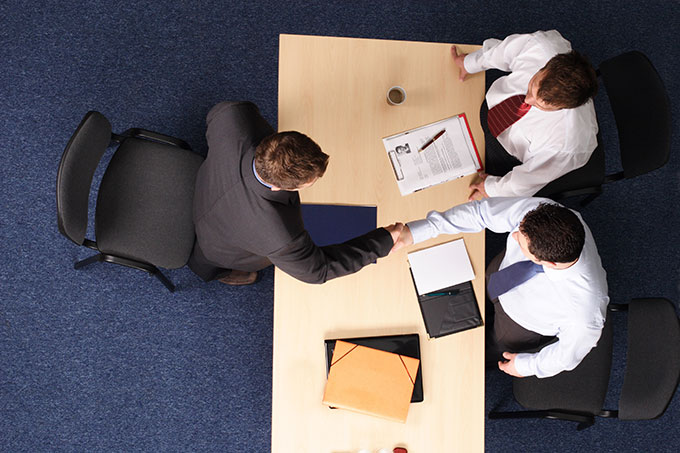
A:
x: 401, y: 235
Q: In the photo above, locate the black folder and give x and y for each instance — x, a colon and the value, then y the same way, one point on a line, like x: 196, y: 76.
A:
x: 407, y: 345
x: 446, y: 313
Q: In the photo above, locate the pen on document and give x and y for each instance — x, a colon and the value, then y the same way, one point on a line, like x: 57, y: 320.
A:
x: 444, y: 293
x: 431, y: 141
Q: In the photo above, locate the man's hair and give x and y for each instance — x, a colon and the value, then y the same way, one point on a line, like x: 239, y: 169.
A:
x: 569, y: 81
x: 288, y: 160
x: 554, y: 233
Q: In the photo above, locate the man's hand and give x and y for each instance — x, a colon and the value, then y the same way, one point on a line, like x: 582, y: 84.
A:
x: 509, y: 366
x: 395, y: 231
x: 459, y: 58
x: 405, y: 239
x: 477, y: 188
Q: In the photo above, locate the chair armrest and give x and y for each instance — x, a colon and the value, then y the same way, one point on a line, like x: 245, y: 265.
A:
x: 156, y: 137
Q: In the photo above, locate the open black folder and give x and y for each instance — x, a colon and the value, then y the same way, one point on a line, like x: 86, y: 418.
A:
x: 450, y: 310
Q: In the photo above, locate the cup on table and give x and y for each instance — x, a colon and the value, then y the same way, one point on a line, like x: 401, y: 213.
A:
x: 396, y: 95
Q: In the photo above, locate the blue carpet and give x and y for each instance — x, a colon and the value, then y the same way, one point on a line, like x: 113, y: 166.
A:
x: 105, y: 359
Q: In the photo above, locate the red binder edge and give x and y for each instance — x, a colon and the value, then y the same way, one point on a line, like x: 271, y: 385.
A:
x: 472, y: 138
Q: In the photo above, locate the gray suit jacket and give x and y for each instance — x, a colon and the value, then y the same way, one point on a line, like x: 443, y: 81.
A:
x: 241, y: 224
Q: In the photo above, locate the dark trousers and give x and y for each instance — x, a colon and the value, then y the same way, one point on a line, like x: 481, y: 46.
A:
x: 203, y: 267
x: 498, y: 161
x: 505, y: 334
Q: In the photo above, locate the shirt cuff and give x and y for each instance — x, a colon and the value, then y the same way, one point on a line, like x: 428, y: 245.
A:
x: 523, y: 364
x: 421, y: 230
x: 491, y: 186
x: 472, y: 62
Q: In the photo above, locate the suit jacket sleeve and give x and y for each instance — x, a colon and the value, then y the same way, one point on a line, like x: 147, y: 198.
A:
x: 305, y: 261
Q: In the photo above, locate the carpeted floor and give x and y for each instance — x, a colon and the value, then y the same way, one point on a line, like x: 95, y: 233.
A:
x: 105, y: 359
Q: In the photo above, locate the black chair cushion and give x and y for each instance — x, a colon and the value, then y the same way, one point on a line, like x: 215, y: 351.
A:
x: 74, y: 177
x: 582, y: 389
x: 144, y: 206
x: 641, y: 109
x: 653, y: 359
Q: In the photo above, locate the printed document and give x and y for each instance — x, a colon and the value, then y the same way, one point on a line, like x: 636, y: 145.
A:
x: 433, y: 154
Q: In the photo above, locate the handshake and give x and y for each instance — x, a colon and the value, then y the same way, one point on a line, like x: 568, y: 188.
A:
x: 401, y: 235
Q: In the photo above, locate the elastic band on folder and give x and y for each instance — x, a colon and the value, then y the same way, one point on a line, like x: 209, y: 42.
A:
x: 339, y: 359
x: 406, y: 368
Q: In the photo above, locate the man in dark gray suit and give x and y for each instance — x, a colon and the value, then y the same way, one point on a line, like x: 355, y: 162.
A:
x: 247, y: 208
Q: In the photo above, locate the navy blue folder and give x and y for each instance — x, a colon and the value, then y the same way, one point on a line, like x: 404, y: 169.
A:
x: 335, y: 224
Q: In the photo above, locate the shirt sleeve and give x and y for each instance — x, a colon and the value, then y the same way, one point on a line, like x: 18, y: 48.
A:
x: 305, y: 261
x: 497, y: 54
x: 497, y: 214
x: 532, y: 175
x: 574, y: 343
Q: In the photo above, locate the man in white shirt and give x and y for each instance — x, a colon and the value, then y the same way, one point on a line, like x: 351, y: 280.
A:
x: 556, y: 130
x: 564, y: 296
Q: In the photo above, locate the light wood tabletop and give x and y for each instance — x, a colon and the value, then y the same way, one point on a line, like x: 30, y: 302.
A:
x: 334, y: 90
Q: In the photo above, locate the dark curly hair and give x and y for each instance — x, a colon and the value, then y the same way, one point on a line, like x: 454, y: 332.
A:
x: 554, y: 233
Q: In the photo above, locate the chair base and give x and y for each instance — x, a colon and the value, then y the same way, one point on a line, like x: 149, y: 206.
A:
x: 584, y: 419
x: 151, y: 269
x: 590, y: 194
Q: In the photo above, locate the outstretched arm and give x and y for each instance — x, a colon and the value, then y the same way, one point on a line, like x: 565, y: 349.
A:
x: 309, y: 263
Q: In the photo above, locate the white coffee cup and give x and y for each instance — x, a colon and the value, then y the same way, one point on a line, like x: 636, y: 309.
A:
x: 396, y: 95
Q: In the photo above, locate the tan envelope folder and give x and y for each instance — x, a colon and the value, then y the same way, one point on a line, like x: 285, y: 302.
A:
x: 370, y: 381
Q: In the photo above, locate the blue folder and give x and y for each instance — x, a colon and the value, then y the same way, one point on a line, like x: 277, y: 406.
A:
x: 334, y: 224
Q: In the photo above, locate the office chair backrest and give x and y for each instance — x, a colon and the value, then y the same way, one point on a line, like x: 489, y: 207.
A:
x: 74, y: 177
x: 653, y: 362
x: 641, y: 109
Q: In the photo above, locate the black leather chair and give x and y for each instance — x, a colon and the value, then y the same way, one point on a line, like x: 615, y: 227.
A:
x: 642, y: 113
x: 143, y: 215
x: 650, y: 380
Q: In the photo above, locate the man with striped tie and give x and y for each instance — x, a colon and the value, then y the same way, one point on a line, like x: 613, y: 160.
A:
x: 541, y: 119
x: 548, y: 284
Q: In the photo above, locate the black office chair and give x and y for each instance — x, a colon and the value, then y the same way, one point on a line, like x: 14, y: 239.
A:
x: 650, y: 380
x: 143, y: 215
x: 643, y: 119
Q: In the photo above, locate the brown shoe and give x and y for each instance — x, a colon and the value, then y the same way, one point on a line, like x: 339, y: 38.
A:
x: 239, y: 278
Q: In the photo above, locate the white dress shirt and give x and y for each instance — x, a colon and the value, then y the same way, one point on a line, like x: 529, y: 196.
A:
x: 568, y: 303
x: 549, y: 144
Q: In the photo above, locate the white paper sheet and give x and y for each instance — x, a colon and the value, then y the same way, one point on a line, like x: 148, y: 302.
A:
x: 441, y: 266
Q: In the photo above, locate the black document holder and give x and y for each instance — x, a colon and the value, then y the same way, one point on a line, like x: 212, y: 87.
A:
x: 450, y: 313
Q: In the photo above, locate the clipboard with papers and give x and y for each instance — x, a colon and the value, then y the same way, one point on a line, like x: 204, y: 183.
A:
x: 433, y: 154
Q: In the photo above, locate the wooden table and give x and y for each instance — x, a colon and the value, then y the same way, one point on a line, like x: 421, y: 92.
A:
x: 333, y: 89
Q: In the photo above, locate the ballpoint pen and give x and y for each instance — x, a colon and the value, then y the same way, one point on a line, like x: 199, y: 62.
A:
x: 443, y: 293
x: 431, y: 141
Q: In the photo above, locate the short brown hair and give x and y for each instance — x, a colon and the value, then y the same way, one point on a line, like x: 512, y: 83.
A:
x: 554, y: 233
x: 569, y: 80
x: 290, y: 159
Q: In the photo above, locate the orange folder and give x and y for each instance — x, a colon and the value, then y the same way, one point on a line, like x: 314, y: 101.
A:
x: 370, y: 381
